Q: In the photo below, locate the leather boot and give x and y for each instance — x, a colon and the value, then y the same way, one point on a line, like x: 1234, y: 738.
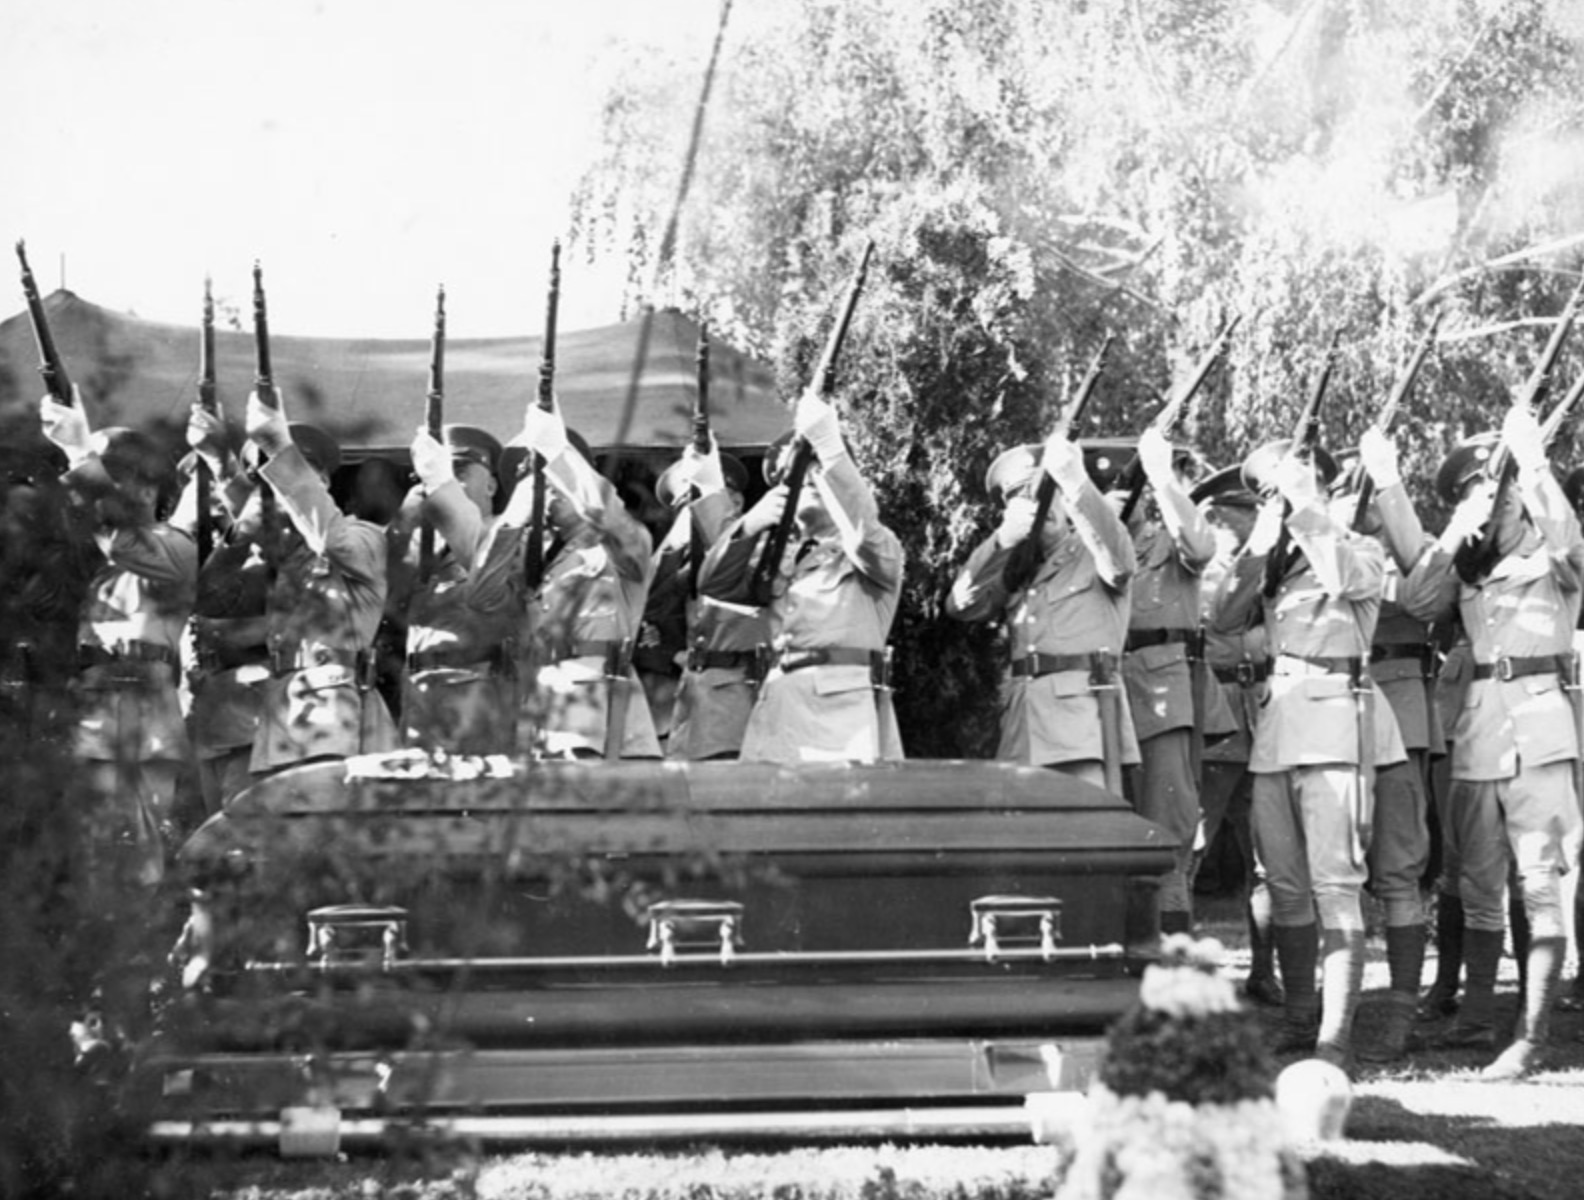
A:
x: 1534, y: 1022
x: 1476, y: 1021
x: 1296, y: 954
x: 1441, y: 1000
x: 1342, y: 977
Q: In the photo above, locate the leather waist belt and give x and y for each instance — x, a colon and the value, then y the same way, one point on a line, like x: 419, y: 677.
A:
x: 831, y: 656
x: 616, y: 654
x: 699, y: 659
x: 1423, y: 651
x: 1139, y: 639
x: 124, y: 652
x: 1246, y: 673
x: 1037, y: 664
x: 226, y: 658
x: 1343, y: 664
x: 1517, y: 668
x: 455, y: 657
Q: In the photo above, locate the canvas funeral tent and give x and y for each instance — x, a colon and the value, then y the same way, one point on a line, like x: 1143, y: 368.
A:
x: 629, y: 386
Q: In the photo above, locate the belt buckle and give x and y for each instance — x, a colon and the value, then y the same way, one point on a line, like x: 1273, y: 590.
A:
x: 1504, y: 669
x: 1243, y: 673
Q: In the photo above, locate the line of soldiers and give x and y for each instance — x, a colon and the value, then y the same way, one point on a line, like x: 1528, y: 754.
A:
x: 1249, y: 649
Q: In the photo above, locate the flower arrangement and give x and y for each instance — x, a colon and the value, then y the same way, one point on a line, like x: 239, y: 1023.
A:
x: 1183, y: 1105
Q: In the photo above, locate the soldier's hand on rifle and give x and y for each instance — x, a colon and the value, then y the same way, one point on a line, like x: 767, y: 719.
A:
x: 1294, y: 477
x: 206, y: 437
x: 1267, y: 529
x: 703, y: 471
x: 766, y: 514
x: 816, y: 423
x: 1155, y: 455
x: 1470, y: 516
x: 543, y: 432
x: 1378, y: 454
x: 1017, y: 522
x: 67, y: 426
x: 1063, y: 461
x: 266, y: 426
x: 431, y: 461
x: 1521, y: 432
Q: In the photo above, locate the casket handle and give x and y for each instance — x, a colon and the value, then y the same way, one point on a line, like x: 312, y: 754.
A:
x: 711, y: 926
x: 997, y: 921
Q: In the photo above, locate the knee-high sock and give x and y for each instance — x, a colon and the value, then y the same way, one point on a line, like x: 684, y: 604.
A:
x: 1449, y: 943
x: 1405, y: 947
x: 1297, y: 952
x: 1482, y: 950
x: 1341, y: 976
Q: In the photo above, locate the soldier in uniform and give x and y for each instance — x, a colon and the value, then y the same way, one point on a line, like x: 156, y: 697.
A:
x: 576, y: 625
x: 458, y: 691
x: 1163, y: 655
x: 1403, y: 665
x: 1321, y: 733
x: 229, y: 648
x: 826, y: 693
x: 1061, y: 706
x: 1515, y: 742
x: 130, y: 729
x: 326, y: 597
x: 719, y: 645
x: 1239, y: 664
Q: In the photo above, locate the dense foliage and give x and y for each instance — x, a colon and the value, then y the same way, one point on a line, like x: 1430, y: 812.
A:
x: 1038, y: 175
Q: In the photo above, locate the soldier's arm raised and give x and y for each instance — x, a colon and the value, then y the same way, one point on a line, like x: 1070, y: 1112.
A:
x: 867, y: 543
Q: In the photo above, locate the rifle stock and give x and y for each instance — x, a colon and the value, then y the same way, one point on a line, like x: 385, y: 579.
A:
x: 762, y: 583
x: 1388, y: 414
x: 434, y: 423
x: 1026, y: 556
x: 534, y: 554
x: 208, y: 401
x: 51, y: 369
x: 1166, y: 420
x: 1306, y: 437
x: 1477, y: 557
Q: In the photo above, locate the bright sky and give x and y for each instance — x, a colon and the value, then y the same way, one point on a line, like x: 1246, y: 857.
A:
x: 363, y: 150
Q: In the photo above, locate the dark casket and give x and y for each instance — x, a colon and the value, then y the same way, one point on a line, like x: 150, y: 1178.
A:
x: 567, y: 950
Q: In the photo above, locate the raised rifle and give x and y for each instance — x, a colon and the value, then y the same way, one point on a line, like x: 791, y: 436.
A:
x: 202, y: 476
x: 1388, y: 414
x: 264, y: 386
x: 761, y: 588
x: 1024, y: 562
x: 51, y: 369
x: 1306, y: 436
x: 534, y: 552
x: 434, y: 417
x: 1166, y: 420
x: 701, y: 445
x: 1477, y: 557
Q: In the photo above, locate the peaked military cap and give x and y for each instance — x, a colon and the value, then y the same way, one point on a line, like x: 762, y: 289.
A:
x: 1466, y: 463
x: 672, y: 486
x: 470, y: 444
x: 1224, y: 488
x: 130, y: 456
x: 514, y: 458
x: 1259, y: 467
